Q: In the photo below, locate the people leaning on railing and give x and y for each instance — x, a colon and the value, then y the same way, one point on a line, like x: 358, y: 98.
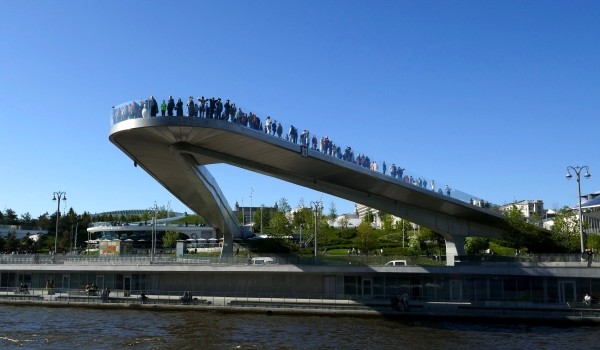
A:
x: 214, y: 108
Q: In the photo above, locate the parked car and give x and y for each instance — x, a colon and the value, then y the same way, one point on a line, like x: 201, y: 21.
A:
x: 262, y: 260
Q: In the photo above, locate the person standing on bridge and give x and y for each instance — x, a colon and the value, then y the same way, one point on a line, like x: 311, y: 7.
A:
x: 179, y: 107
x: 170, y: 106
x: 153, y: 107
x: 191, y: 107
x: 383, y: 167
x: 233, y: 112
x: 293, y: 134
x: 163, y: 108
x: 227, y: 110
x: 201, y: 107
x: 393, y: 170
x: 211, y: 108
x: 400, y: 172
x: 448, y: 190
x: 219, y: 109
x: 268, y: 122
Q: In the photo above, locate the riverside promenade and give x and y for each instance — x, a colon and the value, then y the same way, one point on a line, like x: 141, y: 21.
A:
x: 534, y: 289
x: 417, y: 310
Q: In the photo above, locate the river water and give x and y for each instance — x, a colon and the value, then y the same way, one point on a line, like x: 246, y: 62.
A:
x: 38, y: 327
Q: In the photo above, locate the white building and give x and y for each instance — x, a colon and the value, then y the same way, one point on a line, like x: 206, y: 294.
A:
x: 529, y: 208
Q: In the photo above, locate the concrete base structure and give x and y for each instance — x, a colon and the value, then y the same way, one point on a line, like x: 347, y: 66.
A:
x: 465, y: 291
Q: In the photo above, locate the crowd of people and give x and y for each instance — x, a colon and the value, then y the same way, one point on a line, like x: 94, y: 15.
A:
x: 214, y: 108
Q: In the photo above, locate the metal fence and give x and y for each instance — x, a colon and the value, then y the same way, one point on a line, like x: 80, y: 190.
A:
x: 349, y: 261
x: 301, y: 303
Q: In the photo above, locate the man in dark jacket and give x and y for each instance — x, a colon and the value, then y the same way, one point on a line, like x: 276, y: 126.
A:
x: 153, y: 107
x: 170, y: 106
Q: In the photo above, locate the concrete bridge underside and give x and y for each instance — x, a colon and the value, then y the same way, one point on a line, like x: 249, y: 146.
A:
x: 175, y: 150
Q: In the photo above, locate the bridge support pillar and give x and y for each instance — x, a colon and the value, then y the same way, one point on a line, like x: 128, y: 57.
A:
x: 209, y: 200
x: 455, y: 246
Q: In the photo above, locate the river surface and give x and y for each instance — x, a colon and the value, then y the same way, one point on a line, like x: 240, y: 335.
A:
x: 38, y: 327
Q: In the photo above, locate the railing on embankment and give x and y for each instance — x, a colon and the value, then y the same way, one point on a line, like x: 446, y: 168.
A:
x: 198, y: 300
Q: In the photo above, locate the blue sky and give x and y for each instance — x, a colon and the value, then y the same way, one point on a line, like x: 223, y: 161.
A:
x: 495, y: 98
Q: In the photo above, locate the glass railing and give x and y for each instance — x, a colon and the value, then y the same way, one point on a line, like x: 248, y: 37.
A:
x: 230, y: 113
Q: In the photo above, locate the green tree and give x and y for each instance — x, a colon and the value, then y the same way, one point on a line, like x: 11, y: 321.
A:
x: 415, y: 247
x: 366, y: 239
x: 10, y: 217
x: 261, y: 217
x: 279, y: 225
x: 432, y: 242
x: 43, y: 221
x: 536, y: 219
x: 64, y: 241
x: 344, y: 222
x: 26, y: 219
x: 283, y: 205
x: 332, y: 211
x: 475, y: 245
x: 303, y: 217
x: 27, y: 244
x: 11, y: 243
x: 514, y: 235
x: 240, y: 216
x: 387, y: 221
x: 170, y: 239
x: 565, y: 232
x: 593, y: 242
x: 403, y: 226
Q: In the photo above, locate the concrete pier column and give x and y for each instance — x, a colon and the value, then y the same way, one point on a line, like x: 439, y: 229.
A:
x: 455, y: 246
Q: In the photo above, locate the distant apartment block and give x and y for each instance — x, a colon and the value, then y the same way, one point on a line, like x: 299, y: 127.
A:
x: 529, y: 208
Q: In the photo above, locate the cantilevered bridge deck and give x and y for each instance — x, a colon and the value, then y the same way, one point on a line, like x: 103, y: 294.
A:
x: 175, y: 150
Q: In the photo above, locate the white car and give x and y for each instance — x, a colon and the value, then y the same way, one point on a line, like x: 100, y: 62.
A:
x: 262, y: 260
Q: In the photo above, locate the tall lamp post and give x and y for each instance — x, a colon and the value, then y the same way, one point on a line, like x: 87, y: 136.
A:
x: 251, y: 218
x: 243, y: 213
x: 58, y: 195
x: 262, y: 206
x: 577, y: 170
x: 153, y: 243
x: 317, y: 206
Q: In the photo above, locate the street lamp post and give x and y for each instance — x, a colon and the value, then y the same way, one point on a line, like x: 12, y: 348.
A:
x: 262, y: 206
x: 317, y: 206
x: 251, y: 218
x: 153, y: 243
x: 402, y: 233
x: 577, y: 170
x: 74, y: 233
x: 58, y: 195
